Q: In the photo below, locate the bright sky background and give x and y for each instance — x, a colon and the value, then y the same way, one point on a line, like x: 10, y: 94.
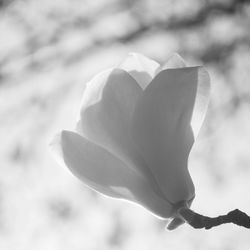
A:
x: 48, y: 51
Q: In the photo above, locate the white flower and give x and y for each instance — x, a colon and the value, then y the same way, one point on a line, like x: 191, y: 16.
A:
x: 136, y: 127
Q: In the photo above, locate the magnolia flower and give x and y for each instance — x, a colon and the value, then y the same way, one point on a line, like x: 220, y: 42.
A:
x: 137, y: 124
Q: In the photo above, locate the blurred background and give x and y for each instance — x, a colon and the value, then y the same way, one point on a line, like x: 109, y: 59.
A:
x: 48, y: 51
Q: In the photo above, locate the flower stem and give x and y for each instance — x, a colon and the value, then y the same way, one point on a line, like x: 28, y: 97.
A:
x: 199, y: 221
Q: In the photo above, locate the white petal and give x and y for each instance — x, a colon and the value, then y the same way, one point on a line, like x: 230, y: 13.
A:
x: 141, y: 68
x: 174, y: 61
x: 201, y: 100
x: 106, y: 114
x: 108, y: 175
x: 56, y: 149
x: 161, y: 128
x: 93, y: 91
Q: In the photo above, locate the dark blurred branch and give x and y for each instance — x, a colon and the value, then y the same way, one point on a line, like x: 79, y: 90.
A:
x: 199, y: 18
x: 216, y: 8
x: 5, y: 3
x: 213, y: 52
x: 219, y: 52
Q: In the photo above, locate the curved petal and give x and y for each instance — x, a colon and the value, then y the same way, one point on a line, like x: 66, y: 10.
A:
x: 161, y: 128
x: 201, y: 100
x: 141, y: 68
x: 93, y: 91
x: 107, y: 174
x: 173, y: 62
x: 106, y: 114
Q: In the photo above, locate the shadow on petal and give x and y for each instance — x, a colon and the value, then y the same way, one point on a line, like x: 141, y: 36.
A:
x: 107, y: 174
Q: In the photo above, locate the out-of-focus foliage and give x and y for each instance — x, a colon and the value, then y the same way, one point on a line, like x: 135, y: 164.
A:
x: 48, y: 50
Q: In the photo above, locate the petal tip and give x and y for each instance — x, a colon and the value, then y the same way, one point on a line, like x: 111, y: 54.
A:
x: 55, y: 147
x: 174, y: 61
x: 55, y: 141
x: 176, y: 222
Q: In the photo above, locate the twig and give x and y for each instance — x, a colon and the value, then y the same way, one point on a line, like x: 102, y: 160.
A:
x: 199, y: 221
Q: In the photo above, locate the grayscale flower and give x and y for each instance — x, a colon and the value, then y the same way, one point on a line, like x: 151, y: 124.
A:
x: 137, y: 124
